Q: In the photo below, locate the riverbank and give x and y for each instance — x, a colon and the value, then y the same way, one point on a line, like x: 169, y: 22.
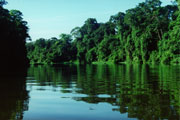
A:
x: 106, y: 62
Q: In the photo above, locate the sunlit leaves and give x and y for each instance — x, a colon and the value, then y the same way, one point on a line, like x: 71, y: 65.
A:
x: 147, y: 33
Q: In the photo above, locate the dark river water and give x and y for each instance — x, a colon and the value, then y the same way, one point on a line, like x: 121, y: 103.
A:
x: 91, y: 92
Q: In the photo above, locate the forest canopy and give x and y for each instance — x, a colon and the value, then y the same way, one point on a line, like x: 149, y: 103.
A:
x: 14, y: 33
x: 148, y: 33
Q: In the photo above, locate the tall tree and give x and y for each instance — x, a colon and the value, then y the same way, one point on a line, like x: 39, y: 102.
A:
x: 14, y: 33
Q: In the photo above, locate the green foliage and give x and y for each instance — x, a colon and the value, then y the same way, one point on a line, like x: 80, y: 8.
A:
x: 14, y: 33
x: 148, y: 33
x: 91, y: 55
x: 51, y: 51
x: 2, y: 2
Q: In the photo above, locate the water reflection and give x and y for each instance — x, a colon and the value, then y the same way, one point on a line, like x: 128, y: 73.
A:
x: 143, y: 92
x: 14, y: 96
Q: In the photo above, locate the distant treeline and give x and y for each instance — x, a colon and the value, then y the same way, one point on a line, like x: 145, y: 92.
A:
x: 148, y: 33
x: 14, y: 33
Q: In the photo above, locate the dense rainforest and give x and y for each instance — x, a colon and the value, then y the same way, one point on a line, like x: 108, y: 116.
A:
x: 148, y: 33
x: 14, y: 33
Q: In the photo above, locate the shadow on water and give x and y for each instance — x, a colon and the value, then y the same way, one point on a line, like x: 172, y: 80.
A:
x: 14, y: 96
x: 143, y: 92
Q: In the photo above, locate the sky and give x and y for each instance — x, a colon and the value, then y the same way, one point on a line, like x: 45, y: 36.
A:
x: 50, y: 18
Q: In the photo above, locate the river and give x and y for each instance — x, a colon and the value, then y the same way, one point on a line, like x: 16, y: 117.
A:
x: 92, y: 92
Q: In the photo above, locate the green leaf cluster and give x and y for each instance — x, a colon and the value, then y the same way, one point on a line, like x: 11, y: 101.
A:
x: 148, y: 33
x: 51, y: 51
x: 14, y: 33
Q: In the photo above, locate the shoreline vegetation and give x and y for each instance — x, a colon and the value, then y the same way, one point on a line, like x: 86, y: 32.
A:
x: 101, y: 63
x: 14, y: 33
x: 148, y: 33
